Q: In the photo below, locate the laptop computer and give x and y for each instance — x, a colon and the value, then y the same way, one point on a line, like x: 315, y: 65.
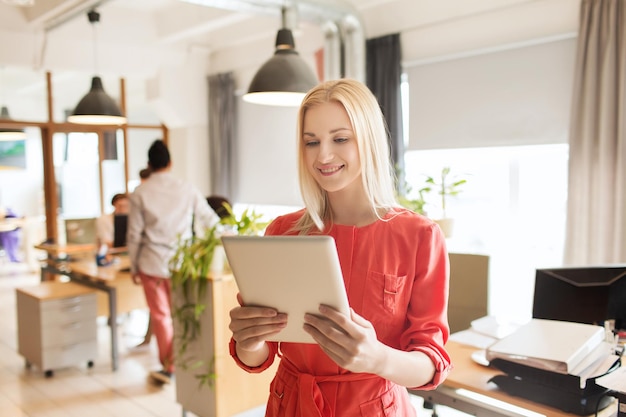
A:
x: 294, y: 274
x: 120, y: 227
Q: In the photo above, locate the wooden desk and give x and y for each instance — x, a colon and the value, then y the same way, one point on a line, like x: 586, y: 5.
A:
x: 103, y: 278
x: 130, y: 296
x: 57, y: 251
x: 90, y: 269
x: 9, y: 224
x: 61, y: 251
x: 470, y: 376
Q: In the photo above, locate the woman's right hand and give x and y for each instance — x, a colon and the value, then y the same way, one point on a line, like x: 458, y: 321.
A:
x: 252, y: 326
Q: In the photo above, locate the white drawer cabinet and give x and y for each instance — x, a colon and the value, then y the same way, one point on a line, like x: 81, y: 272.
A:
x: 56, y: 325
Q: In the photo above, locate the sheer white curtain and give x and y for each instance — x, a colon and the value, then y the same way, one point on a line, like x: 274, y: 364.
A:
x: 596, y: 226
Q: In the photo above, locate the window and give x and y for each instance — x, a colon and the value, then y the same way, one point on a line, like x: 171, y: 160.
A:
x: 512, y: 208
x: 77, y: 171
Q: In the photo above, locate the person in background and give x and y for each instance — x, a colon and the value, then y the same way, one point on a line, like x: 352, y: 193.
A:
x: 105, y: 225
x: 11, y: 234
x: 395, y: 267
x: 217, y: 203
x: 162, y: 209
x: 144, y: 174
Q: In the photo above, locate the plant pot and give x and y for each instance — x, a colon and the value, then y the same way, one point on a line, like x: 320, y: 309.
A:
x: 446, y: 225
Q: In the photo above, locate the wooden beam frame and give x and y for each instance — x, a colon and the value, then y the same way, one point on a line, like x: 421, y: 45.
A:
x: 50, y: 127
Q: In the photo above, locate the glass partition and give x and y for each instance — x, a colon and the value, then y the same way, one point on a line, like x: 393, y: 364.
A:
x: 76, y: 172
x: 113, y: 167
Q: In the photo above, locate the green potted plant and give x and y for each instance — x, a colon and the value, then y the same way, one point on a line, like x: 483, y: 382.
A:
x: 190, y: 268
x: 446, y: 186
x: 410, y: 199
x: 416, y: 203
x: 194, y: 261
x: 248, y: 223
x: 203, y: 292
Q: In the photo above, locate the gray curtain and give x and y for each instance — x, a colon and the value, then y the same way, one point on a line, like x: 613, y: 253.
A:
x: 222, y: 135
x: 109, y: 138
x: 383, y: 77
x: 596, y: 225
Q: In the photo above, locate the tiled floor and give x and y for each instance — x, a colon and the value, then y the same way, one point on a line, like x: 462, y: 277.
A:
x: 97, y: 391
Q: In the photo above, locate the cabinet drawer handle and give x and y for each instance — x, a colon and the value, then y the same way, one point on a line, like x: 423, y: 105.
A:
x: 70, y: 346
x: 71, y: 300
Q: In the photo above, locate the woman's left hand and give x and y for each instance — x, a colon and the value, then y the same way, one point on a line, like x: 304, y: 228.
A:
x: 349, y: 341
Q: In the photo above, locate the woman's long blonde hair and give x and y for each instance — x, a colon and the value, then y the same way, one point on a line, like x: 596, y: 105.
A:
x: 372, y: 138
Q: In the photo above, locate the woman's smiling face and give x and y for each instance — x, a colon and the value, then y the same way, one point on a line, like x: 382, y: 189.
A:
x: 331, y: 152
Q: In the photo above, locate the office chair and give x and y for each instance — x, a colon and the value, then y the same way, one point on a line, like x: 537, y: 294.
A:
x: 468, y: 295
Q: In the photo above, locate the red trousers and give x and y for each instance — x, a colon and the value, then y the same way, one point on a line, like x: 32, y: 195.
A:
x: 158, y: 298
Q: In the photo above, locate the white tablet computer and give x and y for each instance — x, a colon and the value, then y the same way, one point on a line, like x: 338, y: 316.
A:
x: 293, y: 274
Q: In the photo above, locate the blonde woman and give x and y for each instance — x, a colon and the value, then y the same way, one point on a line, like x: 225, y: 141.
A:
x: 395, y: 269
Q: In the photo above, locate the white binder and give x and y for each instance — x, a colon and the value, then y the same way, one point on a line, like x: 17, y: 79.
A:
x: 558, y: 346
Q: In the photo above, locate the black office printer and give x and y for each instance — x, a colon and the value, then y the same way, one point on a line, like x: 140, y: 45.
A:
x: 554, y: 389
x: 598, y: 293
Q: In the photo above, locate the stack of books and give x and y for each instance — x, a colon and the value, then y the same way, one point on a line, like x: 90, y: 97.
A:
x: 555, y: 363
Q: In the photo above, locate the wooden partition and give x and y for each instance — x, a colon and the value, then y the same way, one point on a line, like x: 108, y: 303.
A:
x: 233, y: 390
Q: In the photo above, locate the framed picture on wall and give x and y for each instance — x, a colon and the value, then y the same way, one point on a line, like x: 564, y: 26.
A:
x: 13, y: 154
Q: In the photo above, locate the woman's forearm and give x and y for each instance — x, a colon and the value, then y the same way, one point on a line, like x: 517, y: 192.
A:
x: 409, y: 369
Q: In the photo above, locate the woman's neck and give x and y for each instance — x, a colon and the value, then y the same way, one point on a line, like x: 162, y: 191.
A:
x: 351, y: 208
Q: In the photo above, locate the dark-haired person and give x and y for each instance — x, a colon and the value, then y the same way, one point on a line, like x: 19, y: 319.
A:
x: 144, y: 174
x: 161, y: 210
x: 218, y: 204
x: 104, y: 223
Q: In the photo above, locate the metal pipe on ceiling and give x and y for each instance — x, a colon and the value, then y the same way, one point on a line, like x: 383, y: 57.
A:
x: 344, y: 46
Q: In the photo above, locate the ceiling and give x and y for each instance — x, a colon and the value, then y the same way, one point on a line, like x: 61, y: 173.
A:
x: 138, y: 39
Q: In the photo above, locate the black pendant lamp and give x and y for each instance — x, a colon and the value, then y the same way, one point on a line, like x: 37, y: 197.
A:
x: 7, y: 134
x: 96, y: 108
x: 285, y: 78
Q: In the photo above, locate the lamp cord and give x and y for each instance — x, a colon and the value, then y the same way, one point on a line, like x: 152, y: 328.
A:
x: 94, y: 18
x: 95, y: 47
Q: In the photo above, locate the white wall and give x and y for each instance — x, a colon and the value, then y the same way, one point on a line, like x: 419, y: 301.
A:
x: 267, y: 162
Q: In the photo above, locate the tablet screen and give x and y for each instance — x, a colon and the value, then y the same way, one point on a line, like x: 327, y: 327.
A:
x: 294, y: 274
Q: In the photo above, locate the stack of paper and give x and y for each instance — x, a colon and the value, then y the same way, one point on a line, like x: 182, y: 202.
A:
x: 494, y: 327
x: 484, y: 331
x: 559, y: 346
x: 615, y: 381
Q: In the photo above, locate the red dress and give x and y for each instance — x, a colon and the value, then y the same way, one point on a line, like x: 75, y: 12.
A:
x: 396, y: 275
